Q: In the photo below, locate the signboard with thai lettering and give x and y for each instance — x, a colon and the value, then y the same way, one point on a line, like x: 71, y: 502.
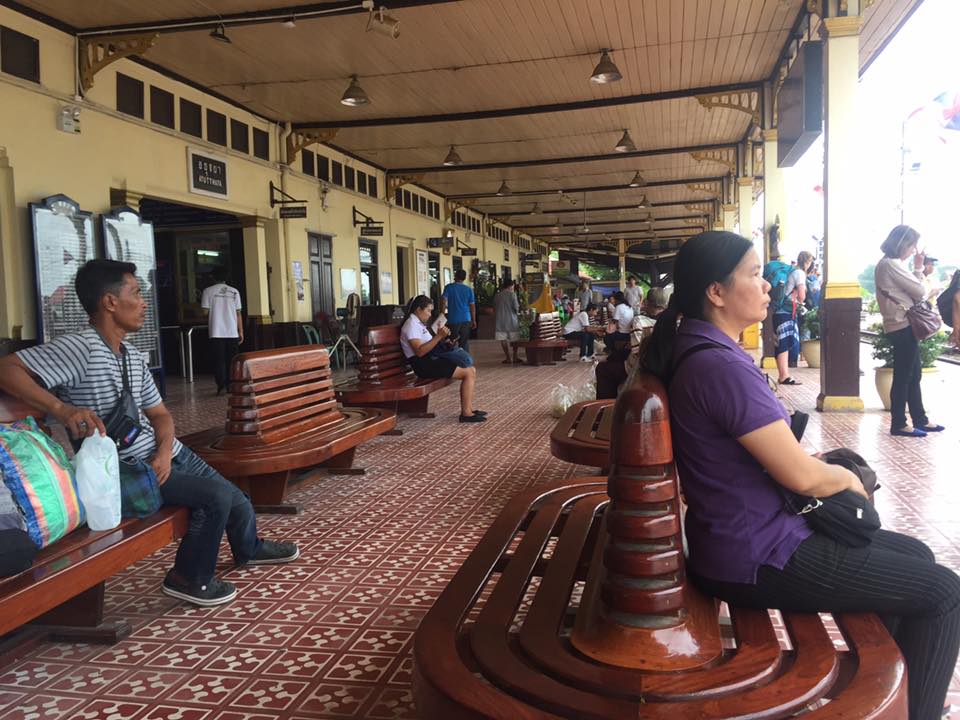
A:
x: 468, y: 252
x: 371, y: 230
x: 293, y: 211
x: 207, y: 174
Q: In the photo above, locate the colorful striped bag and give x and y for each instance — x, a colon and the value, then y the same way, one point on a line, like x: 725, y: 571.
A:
x: 41, y: 479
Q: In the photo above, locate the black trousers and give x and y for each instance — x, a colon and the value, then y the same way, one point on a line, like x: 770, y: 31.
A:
x: 585, y: 340
x: 610, y: 374
x: 907, y: 372
x: 223, y: 351
x: 896, y: 577
x: 461, y: 332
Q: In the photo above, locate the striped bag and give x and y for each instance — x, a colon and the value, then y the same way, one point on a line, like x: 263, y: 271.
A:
x: 41, y: 479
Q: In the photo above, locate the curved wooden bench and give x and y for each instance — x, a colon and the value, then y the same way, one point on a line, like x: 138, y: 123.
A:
x: 282, y: 417
x: 385, y: 379
x: 516, y: 633
x: 582, y: 435
x: 546, y: 345
x: 62, y: 592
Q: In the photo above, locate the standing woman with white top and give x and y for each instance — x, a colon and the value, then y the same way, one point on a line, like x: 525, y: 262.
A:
x: 897, y: 290
x: 618, y: 328
x: 417, y: 344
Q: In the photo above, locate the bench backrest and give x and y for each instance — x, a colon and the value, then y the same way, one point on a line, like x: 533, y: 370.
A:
x: 546, y: 327
x: 278, y: 394
x: 381, y: 357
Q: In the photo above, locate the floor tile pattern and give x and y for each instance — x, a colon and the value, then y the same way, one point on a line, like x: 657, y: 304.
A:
x: 331, y: 635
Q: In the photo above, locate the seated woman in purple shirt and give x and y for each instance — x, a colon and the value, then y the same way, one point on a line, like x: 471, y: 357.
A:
x: 734, y: 450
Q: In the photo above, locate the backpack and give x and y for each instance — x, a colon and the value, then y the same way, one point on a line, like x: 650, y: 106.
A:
x: 777, y: 273
x: 945, y: 300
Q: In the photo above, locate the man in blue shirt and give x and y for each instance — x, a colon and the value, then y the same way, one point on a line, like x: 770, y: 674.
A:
x: 461, y: 308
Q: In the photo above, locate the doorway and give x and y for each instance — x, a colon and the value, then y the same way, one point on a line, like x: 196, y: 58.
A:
x: 401, y: 275
x: 369, y: 275
x: 433, y: 263
x: 321, y: 273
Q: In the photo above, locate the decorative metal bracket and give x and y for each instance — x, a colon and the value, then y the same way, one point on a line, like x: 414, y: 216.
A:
x: 815, y: 7
x: 708, y: 188
x: 747, y: 101
x: 279, y: 197
x: 398, y: 181
x: 304, y: 138
x: 365, y: 220
x: 725, y: 156
x: 454, y: 205
x: 96, y: 53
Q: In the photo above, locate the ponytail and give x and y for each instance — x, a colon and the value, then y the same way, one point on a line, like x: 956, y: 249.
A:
x: 418, y: 303
x: 656, y: 352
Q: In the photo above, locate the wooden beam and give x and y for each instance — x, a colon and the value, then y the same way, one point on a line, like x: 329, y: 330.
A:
x: 535, y: 109
x: 596, y: 188
x: 605, y: 208
x: 617, y: 222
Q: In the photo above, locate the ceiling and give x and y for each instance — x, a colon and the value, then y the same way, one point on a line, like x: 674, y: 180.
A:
x: 507, y: 83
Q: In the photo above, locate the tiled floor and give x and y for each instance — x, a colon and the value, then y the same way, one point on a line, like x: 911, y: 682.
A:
x: 330, y: 636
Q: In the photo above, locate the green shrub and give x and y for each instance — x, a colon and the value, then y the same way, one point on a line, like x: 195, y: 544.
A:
x: 930, y: 349
x: 811, y: 325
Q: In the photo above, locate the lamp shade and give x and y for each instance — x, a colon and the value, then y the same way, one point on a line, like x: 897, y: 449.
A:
x: 625, y: 144
x: 219, y: 33
x: 354, y: 95
x: 504, y: 189
x: 637, y: 181
x: 605, y: 71
x: 453, y: 158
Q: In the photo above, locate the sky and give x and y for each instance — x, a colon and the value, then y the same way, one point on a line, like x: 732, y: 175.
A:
x: 919, y: 63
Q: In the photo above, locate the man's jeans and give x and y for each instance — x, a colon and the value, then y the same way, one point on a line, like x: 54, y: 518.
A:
x: 215, y: 504
x: 461, y: 332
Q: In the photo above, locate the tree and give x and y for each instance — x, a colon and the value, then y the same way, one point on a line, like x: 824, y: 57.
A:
x: 866, y: 279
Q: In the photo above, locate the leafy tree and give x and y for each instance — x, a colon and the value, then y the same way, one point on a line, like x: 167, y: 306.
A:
x: 866, y: 279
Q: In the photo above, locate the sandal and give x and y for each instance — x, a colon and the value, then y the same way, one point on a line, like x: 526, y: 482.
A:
x: 932, y: 428
x: 789, y: 381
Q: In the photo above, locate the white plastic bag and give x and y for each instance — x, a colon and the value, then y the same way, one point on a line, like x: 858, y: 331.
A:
x: 587, y: 391
x: 561, y: 398
x: 98, y: 481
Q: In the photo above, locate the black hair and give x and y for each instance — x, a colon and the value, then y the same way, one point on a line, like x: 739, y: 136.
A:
x: 460, y: 275
x: 619, y: 298
x: 507, y: 283
x: 590, y: 306
x: 705, y: 259
x: 420, y: 302
x: 631, y: 277
x: 96, y: 278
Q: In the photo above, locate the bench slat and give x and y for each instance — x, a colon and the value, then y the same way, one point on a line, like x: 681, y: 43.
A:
x: 291, y: 423
x: 271, y: 363
x: 252, y: 388
x: 266, y: 411
x: 263, y: 399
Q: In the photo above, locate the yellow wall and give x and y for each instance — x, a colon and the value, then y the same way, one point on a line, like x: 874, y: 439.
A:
x: 118, y: 151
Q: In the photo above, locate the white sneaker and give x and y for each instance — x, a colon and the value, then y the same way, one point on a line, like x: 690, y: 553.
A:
x: 586, y: 358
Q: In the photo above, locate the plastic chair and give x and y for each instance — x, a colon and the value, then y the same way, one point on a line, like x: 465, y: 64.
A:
x: 311, y: 334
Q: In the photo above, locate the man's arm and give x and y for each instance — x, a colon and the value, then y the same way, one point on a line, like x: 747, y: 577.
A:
x: 240, y: 326
x: 473, y: 316
x: 16, y: 380
x: 162, y: 422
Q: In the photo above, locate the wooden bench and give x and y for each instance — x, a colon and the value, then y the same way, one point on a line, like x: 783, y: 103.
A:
x: 61, y: 595
x: 282, y: 417
x: 516, y: 634
x: 582, y: 435
x: 385, y: 379
x: 546, y: 345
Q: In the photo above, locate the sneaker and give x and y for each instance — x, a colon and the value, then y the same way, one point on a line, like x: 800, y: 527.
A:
x: 480, y: 412
x: 214, y: 592
x: 472, y: 418
x: 273, y: 552
x: 586, y: 358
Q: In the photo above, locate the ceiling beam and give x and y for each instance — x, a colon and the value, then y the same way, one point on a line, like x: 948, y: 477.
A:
x: 307, y: 11
x: 562, y: 160
x: 530, y: 109
x: 618, y: 222
x: 602, y: 208
x: 683, y: 230
x: 595, y: 188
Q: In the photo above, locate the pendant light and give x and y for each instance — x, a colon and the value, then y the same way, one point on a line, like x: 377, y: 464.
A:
x: 504, y: 189
x: 453, y: 158
x: 605, y: 72
x: 219, y: 33
x: 638, y: 180
x: 625, y: 144
x: 354, y: 96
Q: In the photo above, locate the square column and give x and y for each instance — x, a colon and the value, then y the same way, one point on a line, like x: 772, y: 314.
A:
x: 774, y: 212
x: 14, y: 261
x: 622, y: 262
x: 257, y: 301
x: 840, y: 307
x: 751, y: 336
x: 729, y: 218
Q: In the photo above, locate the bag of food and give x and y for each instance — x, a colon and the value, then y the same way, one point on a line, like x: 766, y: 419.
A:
x: 98, y: 481
x: 561, y: 398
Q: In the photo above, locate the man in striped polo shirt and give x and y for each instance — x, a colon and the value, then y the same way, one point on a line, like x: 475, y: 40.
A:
x: 81, y: 377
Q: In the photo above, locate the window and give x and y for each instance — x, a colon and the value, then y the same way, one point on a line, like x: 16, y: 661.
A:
x: 398, y: 197
x: 306, y: 159
x: 372, y: 186
x: 362, y: 182
x: 161, y: 107
x: 19, y: 55
x: 323, y: 167
x: 337, y: 173
x: 239, y: 136
x: 191, y: 121
x: 407, y: 201
x: 415, y: 202
x: 261, y: 144
x: 129, y: 95
x: 216, y: 127
x: 350, y: 178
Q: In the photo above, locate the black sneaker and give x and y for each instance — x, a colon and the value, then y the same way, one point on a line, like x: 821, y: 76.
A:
x: 480, y: 412
x: 273, y: 552
x: 472, y: 418
x: 214, y: 592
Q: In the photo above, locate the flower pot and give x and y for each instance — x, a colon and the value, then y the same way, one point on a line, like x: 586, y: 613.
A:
x: 884, y: 381
x: 811, y: 352
x: 928, y: 382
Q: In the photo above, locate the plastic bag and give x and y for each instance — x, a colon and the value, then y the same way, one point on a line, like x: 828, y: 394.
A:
x: 98, y: 481
x: 561, y: 398
x: 587, y: 391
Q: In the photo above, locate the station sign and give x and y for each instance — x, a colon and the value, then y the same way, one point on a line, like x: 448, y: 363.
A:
x: 468, y: 252
x: 371, y: 230
x: 207, y: 174
x: 296, y: 211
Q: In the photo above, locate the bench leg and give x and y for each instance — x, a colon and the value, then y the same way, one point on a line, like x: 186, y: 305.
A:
x: 415, y: 408
x: 539, y: 356
x: 395, y: 431
x: 267, y: 491
x: 342, y: 464
x: 80, y: 619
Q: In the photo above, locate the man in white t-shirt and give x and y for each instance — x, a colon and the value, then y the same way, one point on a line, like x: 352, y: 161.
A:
x: 633, y: 292
x: 225, y: 322
x: 578, y: 329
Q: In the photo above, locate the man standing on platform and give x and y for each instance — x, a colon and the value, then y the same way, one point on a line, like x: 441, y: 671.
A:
x: 460, y: 305
x: 633, y: 293
x: 225, y: 322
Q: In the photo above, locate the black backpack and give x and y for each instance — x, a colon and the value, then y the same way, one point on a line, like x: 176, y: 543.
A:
x: 945, y: 300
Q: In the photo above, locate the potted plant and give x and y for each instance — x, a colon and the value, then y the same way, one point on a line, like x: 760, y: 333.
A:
x: 810, y: 338
x: 930, y: 350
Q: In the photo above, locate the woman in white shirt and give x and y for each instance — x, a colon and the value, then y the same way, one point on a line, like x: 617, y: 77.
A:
x: 417, y: 344
x: 897, y: 290
x: 618, y: 330
x: 579, y: 330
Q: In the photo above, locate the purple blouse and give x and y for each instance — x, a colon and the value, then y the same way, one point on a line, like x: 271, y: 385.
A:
x: 736, y: 519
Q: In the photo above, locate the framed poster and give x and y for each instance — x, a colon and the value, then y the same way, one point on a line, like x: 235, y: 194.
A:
x: 348, y: 282
x: 423, y: 273
x: 447, y: 276
x: 126, y: 237
x: 386, y: 282
x: 63, y: 240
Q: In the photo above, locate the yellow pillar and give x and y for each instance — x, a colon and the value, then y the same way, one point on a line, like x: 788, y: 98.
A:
x: 16, y: 313
x: 622, y: 262
x: 751, y: 336
x: 774, y: 192
x: 839, y: 371
x: 257, y: 301
x: 730, y: 218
